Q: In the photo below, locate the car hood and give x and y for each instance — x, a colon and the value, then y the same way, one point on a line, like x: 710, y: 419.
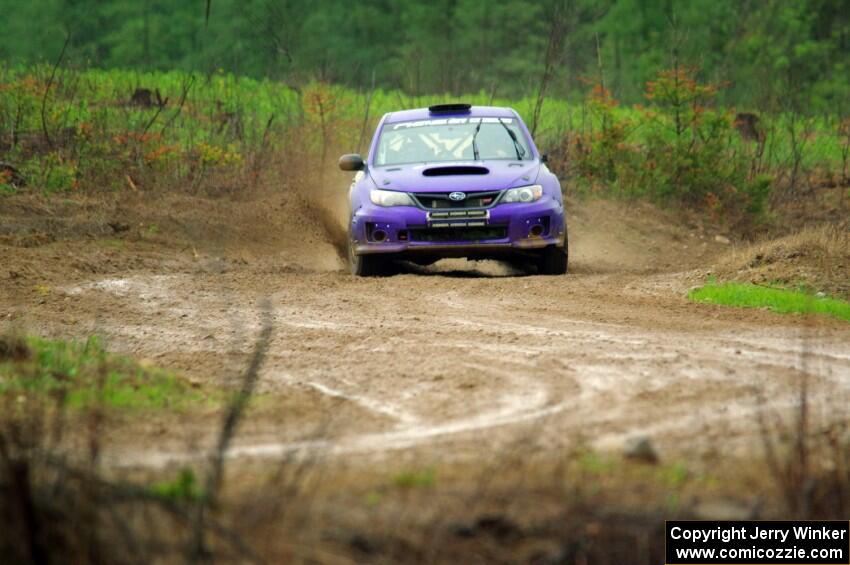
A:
x: 463, y: 176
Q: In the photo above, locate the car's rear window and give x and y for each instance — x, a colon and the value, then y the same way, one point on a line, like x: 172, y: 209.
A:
x: 451, y: 139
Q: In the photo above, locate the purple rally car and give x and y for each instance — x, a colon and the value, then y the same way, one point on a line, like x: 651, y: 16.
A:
x: 454, y: 180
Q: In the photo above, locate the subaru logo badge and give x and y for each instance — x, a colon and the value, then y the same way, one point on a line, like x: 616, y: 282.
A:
x: 457, y: 196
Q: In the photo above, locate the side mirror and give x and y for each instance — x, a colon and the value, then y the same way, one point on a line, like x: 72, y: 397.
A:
x: 544, y: 158
x: 351, y: 162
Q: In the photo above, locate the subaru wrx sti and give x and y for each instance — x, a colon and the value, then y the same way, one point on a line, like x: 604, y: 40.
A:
x: 454, y: 180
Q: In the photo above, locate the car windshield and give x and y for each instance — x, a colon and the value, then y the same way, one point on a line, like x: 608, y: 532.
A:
x: 451, y: 139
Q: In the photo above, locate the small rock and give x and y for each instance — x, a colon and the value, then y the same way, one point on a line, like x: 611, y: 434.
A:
x: 722, y: 239
x: 640, y: 448
x: 820, y: 294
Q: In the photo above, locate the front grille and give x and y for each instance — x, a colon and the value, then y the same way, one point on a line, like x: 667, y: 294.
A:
x: 441, y: 200
x: 453, y: 216
x: 452, y: 234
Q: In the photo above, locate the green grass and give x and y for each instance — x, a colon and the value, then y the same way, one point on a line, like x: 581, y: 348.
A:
x: 183, y: 488
x: 778, y: 300
x: 83, y: 374
x: 415, y: 479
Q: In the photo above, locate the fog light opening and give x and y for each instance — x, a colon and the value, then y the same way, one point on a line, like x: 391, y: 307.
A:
x: 379, y: 236
x: 536, y: 230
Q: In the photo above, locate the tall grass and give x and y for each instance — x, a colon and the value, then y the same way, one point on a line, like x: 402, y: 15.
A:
x: 85, y: 130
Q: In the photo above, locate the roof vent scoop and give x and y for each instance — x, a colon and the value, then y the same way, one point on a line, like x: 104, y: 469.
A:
x: 455, y: 170
x: 455, y: 108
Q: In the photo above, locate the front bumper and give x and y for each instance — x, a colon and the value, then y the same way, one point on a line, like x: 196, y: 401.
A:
x: 502, y: 228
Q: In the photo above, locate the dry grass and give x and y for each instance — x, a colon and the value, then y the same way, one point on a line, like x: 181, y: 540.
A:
x: 521, y: 503
x: 816, y: 258
x: 60, y: 504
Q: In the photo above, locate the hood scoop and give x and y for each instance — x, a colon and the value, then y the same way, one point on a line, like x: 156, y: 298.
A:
x: 455, y: 170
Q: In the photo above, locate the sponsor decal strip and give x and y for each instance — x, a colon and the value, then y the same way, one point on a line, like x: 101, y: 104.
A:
x: 450, y: 122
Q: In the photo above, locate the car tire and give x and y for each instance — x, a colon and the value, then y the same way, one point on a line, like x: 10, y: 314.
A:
x: 364, y: 265
x: 554, y: 260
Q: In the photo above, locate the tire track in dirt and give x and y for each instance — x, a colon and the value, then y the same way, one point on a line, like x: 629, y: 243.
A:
x: 470, y: 369
x: 457, y: 357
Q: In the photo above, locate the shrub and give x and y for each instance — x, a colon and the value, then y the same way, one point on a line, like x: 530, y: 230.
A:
x: 680, y: 149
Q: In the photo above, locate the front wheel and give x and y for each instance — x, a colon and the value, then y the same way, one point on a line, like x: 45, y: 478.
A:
x: 363, y: 265
x: 553, y: 260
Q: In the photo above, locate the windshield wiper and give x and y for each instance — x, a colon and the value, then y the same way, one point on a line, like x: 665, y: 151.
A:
x: 520, y: 151
x: 475, y: 145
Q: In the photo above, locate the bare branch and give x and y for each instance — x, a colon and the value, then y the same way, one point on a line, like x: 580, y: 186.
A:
x: 47, y: 92
x: 186, y: 87
x: 198, y: 550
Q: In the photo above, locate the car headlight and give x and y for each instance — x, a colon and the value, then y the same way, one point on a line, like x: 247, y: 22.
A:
x: 523, y: 194
x: 390, y: 198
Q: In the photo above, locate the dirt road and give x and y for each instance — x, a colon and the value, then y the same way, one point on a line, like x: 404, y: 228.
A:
x: 454, y: 360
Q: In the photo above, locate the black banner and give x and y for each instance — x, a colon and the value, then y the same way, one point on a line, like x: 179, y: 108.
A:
x: 758, y: 542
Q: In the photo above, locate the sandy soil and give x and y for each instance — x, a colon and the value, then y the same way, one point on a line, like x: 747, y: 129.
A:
x: 454, y: 360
